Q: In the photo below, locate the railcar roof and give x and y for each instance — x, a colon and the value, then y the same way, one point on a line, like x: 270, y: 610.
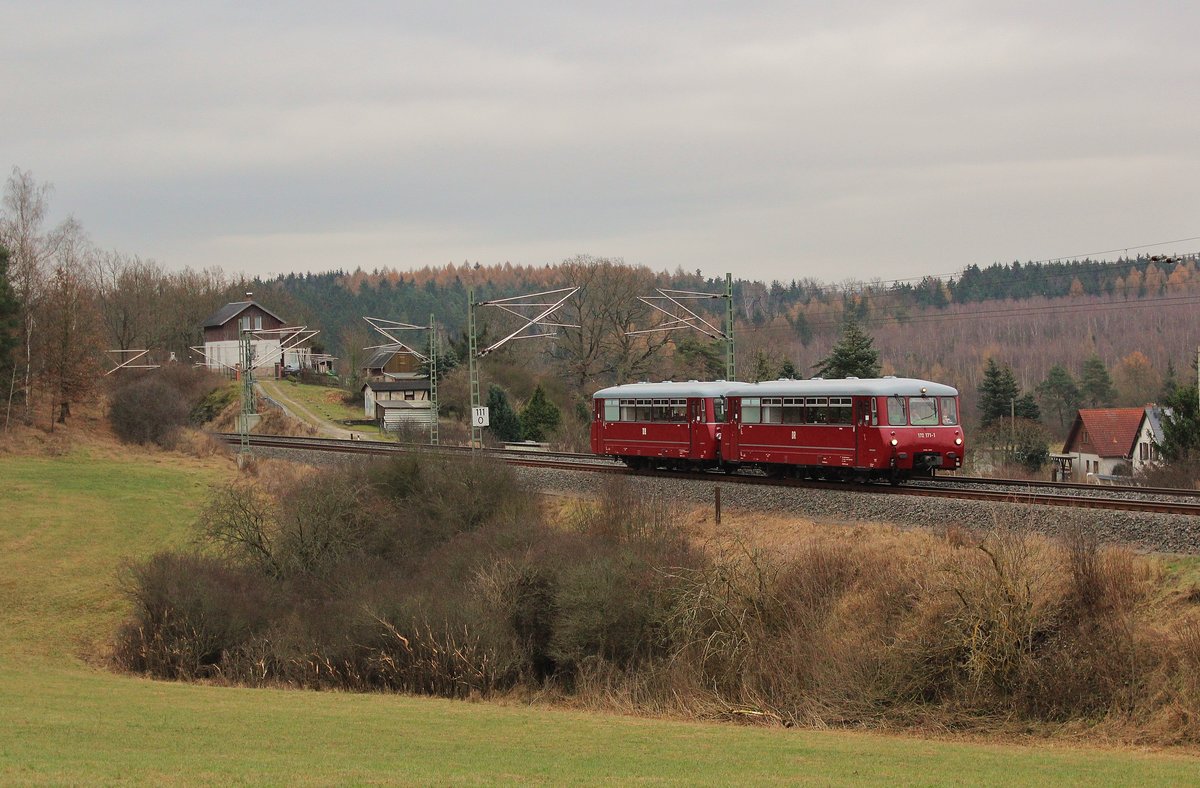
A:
x: 670, y: 388
x: 852, y: 387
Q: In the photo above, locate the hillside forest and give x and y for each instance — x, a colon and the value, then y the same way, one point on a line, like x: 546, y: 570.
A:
x: 1073, y: 333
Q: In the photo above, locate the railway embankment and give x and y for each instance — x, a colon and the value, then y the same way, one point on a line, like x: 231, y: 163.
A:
x: 1148, y: 532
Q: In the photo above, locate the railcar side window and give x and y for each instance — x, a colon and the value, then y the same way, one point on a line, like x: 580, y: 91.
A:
x: 772, y: 410
x: 661, y: 409
x: 949, y: 411
x: 612, y: 410
x: 628, y: 411
x: 897, y: 412
x: 815, y: 410
x: 643, y: 410
x: 793, y: 410
x: 678, y: 410
x: 923, y: 411
x: 719, y: 410
x: 841, y: 410
x: 751, y: 410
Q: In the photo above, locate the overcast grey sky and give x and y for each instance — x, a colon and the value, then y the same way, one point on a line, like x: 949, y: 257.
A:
x: 771, y: 139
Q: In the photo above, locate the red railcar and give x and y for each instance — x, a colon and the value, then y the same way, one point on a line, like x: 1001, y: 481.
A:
x: 668, y: 424
x: 886, y: 427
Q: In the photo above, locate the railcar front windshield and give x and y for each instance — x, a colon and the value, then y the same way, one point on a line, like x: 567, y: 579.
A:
x: 923, y: 411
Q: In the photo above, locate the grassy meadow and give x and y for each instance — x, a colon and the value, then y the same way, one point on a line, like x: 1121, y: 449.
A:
x: 323, y: 401
x: 68, y: 522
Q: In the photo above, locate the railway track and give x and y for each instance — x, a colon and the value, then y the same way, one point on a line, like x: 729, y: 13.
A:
x: 1086, y: 496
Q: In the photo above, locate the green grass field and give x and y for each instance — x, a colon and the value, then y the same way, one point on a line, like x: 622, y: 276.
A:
x: 323, y: 401
x: 68, y: 523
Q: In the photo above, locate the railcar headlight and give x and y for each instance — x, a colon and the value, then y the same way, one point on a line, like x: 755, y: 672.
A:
x: 958, y: 441
x: 895, y: 442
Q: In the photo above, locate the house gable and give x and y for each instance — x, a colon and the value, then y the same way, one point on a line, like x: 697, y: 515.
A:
x: 225, y: 324
x: 1105, y: 432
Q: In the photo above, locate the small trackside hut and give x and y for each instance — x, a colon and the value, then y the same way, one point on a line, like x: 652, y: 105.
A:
x: 670, y: 424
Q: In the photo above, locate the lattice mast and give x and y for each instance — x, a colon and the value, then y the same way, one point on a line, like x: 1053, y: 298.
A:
x: 535, y: 310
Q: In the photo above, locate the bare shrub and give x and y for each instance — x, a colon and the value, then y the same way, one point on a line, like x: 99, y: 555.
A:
x: 153, y: 407
x: 272, y: 421
x: 1181, y: 474
x: 422, y: 575
x: 188, y: 612
x: 147, y: 410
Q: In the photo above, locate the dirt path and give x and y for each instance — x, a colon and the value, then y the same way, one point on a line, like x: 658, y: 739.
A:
x: 300, y: 412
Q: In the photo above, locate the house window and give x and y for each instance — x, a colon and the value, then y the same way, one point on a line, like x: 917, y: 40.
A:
x: 258, y: 323
x: 244, y: 323
x: 410, y: 395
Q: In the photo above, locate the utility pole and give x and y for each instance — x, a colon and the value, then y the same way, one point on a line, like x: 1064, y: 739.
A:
x: 433, y: 381
x: 248, y: 404
x: 473, y: 369
x: 730, y: 368
x: 535, y: 309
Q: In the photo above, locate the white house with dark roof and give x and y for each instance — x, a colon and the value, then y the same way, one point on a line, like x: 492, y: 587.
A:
x: 222, y: 339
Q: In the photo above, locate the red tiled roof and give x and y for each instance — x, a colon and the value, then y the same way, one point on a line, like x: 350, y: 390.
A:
x: 1111, y: 430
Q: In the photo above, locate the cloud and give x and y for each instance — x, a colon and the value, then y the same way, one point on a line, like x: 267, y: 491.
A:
x: 885, y: 139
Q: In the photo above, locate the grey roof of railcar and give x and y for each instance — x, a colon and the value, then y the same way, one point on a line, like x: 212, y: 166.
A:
x: 668, y: 389
x: 851, y: 387
x: 814, y: 387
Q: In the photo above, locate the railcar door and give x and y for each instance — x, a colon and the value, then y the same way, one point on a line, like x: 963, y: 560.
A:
x: 696, y: 428
x: 864, y: 420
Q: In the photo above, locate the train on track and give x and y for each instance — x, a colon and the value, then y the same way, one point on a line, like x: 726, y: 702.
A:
x: 885, y: 428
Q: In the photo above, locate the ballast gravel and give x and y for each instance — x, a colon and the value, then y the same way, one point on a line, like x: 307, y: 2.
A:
x: 1147, y: 532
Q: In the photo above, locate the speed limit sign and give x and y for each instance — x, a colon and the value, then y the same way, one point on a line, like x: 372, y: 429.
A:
x: 479, y: 417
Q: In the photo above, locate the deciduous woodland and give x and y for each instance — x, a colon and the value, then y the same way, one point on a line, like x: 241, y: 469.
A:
x: 65, y: 303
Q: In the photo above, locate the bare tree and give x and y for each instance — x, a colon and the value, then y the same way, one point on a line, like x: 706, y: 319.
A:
x: 130, y: 295
x: 68, y: 337
x: 606, y: 308
x: 32, y: 249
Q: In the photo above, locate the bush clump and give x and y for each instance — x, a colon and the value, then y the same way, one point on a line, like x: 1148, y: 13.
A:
x: 154, y: 406
x: 440, y: 576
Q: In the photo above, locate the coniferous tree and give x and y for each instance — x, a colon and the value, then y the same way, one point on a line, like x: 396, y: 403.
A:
x: 1060, y: 394
x: 1170, y: 382
x: 10, y: 319
x: 1181, y: 425
x: 997, y: 389
x: 763, y: 368
x: 854, y: 355
x: 699, y: 360
x: 1096, y: 384
x: 788, y: 370
x: 503, y: 420
x: 540, y: 417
